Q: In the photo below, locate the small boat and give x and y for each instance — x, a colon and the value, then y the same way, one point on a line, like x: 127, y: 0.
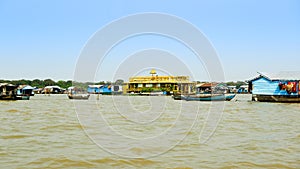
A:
x: 205, y: 97
x: 79, y: 96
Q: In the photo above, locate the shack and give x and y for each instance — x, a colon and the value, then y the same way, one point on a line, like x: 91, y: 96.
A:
x: 99, y: 89
x: 25, y: 90
x: 243, y: 89
x: 53, y: 90
x: 276, y: 87
x: 209, y: 88
x: 8, y: 91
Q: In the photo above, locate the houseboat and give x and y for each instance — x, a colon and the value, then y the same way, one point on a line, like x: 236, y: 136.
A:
x: 8, y: 91
x: 275, y: 87
x: 207, y: 92
x: 243, y: 89
x: 99, y: 89
x: 158, y: 84
x: 24, y: 92
x: 53, y: 90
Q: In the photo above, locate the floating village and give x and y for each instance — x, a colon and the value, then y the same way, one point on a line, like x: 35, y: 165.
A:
x: 276, y: 87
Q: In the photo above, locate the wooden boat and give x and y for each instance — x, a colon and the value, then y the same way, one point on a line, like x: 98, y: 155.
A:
x: 10, y: 97
x: 205, y: 97
x: 79, y: 96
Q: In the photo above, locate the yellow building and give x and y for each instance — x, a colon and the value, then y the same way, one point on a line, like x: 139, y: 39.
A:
x: 153, y: 83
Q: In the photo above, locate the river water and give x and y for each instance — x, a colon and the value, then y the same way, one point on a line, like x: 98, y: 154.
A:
x: 147, y: 132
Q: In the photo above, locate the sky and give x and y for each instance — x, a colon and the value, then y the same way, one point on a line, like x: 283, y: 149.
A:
x: 44, y: 39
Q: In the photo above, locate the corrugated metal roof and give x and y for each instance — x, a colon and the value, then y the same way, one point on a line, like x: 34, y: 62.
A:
x: 6, y: 84
x: 209, y: 85
x: 49, y: 87
x: 283, y: 75
x: 95, y: 86
x: 25, y: 87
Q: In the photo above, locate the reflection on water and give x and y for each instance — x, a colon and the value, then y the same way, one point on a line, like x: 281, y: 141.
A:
x: 44, y: 133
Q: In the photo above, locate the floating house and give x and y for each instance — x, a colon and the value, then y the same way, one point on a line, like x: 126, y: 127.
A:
x: 25, y: 90
x: 231, y: 89
x: 37, y: 90
x: 208, y: 88
x: 8, y: 91
x: 276, y: 87
x: 53, y: 90
x: 117, y: 89
x: 243, y: 89
x: 155, y: 83
x: 99, y: 89
x: 75, y: 90
x: 205, y: 87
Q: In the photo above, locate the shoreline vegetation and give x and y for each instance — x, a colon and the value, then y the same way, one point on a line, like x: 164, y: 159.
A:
x: 83, y: 85
x: 61, y: 83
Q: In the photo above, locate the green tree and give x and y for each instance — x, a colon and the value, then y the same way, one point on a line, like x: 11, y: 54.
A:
x: 119, y: 82
x: 49, y: 82
x: 37, y: 83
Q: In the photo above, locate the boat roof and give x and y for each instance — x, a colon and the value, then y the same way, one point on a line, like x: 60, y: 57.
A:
x: 95, y: 86
x: 208, y: 85
x: 6, y: 84
x: 49, y: 87
x: 25, y: 87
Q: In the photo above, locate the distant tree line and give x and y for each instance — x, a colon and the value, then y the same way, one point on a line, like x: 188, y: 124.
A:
x: 61, y: 83
x: 65, y: 84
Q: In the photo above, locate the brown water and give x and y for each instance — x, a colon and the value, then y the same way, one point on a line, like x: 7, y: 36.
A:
x: 44, y: 132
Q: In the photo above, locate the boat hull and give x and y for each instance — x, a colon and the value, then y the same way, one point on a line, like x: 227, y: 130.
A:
x: 15, y: 98
x: 8, y: 98
x: 22, y: 97
x: 205, y: 98
x: 79, y: 97
x: 277, y: 98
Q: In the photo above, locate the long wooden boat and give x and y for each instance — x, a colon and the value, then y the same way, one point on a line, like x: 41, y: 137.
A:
x: 205, y: 97
x: 79, y: 96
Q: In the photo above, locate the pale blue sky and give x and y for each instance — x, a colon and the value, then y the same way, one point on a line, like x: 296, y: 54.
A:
x: 43, y: 39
